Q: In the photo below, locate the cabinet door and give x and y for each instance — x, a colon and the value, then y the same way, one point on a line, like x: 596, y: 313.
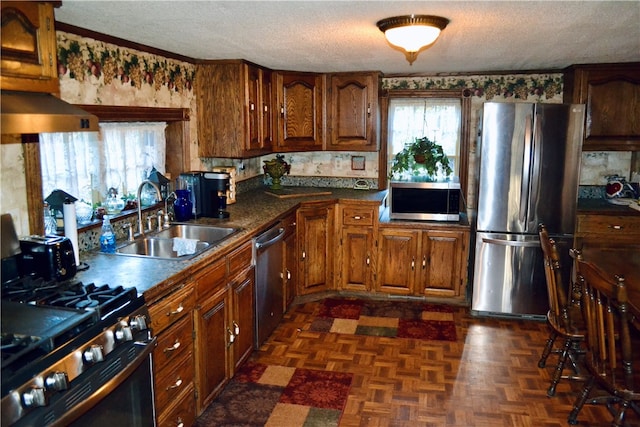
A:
x: 315, y: 231
x: 229, y: 109
x: 300, y: 117
x: 253, y: 107
x: 213, y: 346
x: 397, y: 252
x: 356, y: 259
x: 612, y: 98
x: 290, y: 257
x: 267, y: 110
x: 243, y: 318
x: 28, y: 60
x: 353, y: 107
x: 442, y: 263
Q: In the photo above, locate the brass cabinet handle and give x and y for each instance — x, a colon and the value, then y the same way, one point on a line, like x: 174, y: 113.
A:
x: 177, y: 384
x: 174, y: 347
x: 178, y: 310
x: 236, y: 328
x: 232, y: 338
x: 413, y: 263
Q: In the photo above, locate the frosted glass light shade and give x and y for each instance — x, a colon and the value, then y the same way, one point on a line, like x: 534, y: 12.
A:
x: 412, y: 38
x: 412, y: 32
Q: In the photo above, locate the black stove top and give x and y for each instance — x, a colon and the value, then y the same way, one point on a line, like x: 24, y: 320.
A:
x: 44, y: 319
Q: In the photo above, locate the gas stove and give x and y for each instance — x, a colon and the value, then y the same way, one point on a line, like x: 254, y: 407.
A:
x: 53, y: 334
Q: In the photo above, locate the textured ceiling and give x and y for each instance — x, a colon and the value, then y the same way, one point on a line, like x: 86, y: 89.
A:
x: 325, y: 36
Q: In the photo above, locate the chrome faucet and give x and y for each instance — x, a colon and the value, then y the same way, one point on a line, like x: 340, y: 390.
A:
x: 159, y: 195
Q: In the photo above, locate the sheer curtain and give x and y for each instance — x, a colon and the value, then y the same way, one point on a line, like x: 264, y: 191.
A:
x: 87, y: 164
x: 437, y: 119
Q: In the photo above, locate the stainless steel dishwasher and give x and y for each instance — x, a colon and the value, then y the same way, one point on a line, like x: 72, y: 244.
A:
x: 269, y: 283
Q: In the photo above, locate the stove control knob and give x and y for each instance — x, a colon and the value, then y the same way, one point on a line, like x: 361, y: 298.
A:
x: 94, y: 354
x: 138, y: 323
x: 57, y: 381
x: 34, y: 397
x: 123, y: 333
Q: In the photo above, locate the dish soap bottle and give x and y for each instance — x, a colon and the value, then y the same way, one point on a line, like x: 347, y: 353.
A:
x: 108, y: 237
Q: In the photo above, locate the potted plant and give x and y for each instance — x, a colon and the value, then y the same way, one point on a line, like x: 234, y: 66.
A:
x: 421, y: 157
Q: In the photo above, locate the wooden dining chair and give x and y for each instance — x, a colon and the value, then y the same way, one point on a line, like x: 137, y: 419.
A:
x: 611, y: 359
x: 564, y: 317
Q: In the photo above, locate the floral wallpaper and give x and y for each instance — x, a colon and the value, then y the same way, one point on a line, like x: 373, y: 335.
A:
x: 523, y: 87
x: 95, y: 72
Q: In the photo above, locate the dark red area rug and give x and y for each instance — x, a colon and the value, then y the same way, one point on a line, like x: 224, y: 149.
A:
x: 399, y: 319
x: 266, y: 395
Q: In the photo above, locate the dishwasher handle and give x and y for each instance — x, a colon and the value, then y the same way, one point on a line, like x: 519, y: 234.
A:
x: 260, y: 243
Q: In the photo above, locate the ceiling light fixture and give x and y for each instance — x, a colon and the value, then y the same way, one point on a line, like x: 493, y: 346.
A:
x: 412, y: 33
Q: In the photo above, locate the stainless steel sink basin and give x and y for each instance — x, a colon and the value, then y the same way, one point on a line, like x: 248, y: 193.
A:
x: 203, y: 233
x: 161, y: 244
x: 158, y: 248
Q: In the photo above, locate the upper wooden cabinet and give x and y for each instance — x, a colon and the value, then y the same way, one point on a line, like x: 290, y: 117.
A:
x: 234, y: 109
x: 611, y: 93
x: 353, y: 111
x: 28, y: 42
x: 299, y: 101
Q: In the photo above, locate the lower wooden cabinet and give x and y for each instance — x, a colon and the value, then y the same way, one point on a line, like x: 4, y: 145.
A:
x: 181, y: 411
x: 213, y: 346
x: 397, y: 252
x: 595, y: 229
x: 443, y: 263
x: 290, y: 259
x: 315, y: 247
x: 355, y: 258
x: 172, y: 322
x: 429, y: 262
x: 224, y: 322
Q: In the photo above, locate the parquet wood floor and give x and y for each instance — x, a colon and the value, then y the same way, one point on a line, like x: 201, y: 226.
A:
x: 488, y: 378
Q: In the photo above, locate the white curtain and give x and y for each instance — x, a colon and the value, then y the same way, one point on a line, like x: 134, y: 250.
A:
x: 87, y: 164
x: 437, y: 119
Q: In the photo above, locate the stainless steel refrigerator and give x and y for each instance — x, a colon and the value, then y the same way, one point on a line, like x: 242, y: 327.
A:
x: 529, y: 157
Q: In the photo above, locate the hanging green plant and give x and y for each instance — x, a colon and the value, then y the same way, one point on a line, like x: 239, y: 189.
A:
x: 421, y: 157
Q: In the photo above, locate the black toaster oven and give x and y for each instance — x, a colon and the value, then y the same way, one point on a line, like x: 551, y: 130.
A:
x: 48, y: 257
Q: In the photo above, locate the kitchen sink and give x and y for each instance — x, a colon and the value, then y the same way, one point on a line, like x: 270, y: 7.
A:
x: 162, y: 244
x: 202, y: 233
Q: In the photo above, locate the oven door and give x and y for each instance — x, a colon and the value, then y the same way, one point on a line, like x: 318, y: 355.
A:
x: 129, y: 402
x: 116, y: 392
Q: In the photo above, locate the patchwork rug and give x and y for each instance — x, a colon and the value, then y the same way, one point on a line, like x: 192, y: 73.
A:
x: 398, y: 319
x: 277, y: 396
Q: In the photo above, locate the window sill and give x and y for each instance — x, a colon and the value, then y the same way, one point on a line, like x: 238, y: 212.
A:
x: 127, y: 214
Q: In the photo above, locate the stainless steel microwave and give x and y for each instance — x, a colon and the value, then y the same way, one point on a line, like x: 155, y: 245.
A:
x: 428, y: 201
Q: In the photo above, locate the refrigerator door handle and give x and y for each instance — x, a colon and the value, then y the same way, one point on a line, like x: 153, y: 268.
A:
x: 525, y: 185
x: 503, y: 242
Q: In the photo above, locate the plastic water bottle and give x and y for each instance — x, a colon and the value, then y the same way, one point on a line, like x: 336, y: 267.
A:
x: 108, y: 237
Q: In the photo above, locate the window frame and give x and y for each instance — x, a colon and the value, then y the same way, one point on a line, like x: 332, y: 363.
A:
x: 178, y: 153
x: 465, y: 118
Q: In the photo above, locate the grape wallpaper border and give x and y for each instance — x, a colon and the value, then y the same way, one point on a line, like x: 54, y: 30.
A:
x: 96, y: 72
x: 524, y: 87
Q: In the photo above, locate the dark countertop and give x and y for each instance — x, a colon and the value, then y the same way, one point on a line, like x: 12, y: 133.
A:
x: 253, y: 212
x: 601, y: 206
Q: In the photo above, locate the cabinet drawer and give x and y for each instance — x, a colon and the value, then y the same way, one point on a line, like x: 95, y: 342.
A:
x: 172, y: 380
x: 240, y: 259
x: 167, y: 311
x: 210, y: 280
x: 357, y: 216
x: 610, y: 225
x: 182, y: 412
x: 174, y: 343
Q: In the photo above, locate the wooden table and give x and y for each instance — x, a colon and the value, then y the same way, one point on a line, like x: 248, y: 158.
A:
x: 620, y: 260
